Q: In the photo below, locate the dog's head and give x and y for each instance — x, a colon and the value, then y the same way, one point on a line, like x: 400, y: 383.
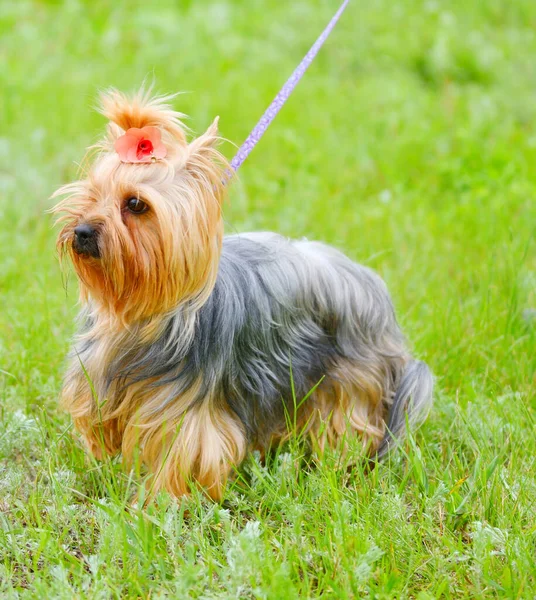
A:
x: 143, y: 227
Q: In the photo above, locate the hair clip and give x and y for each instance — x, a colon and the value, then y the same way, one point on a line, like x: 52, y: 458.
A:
x: 140, y: 145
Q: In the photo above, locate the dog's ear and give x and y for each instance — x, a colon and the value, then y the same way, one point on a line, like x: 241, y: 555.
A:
x: 204, y: 162
x: 141, y: 110
x: 205, y: 143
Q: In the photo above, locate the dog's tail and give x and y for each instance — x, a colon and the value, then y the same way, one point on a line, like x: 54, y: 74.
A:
x: 412, y: 398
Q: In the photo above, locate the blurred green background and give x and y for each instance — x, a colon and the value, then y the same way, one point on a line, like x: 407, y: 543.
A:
x: 411, y: 145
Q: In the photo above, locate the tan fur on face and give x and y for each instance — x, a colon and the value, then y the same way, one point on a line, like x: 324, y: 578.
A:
x: 180, y: 234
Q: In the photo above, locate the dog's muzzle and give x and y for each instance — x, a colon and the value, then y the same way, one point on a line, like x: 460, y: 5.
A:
x: 85, y: 240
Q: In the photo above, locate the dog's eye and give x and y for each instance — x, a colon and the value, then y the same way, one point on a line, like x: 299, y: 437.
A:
x: 136, y: 206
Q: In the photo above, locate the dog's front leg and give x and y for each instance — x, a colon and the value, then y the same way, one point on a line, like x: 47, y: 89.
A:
x: 102, y: 434
x: 200, y: 446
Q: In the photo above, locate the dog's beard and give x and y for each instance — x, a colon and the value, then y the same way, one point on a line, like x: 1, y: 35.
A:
x: 135, y: 278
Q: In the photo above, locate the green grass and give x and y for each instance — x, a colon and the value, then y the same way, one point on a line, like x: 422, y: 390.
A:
x: 411, y: 145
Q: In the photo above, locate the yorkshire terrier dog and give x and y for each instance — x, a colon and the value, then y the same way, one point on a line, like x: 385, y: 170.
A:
x: 194, y: 348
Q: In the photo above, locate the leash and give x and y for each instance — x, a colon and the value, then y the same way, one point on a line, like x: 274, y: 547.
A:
x: 278, y: 102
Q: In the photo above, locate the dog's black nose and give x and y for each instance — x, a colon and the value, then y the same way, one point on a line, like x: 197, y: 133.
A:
x: 84, y: 232
x: 85, y: 240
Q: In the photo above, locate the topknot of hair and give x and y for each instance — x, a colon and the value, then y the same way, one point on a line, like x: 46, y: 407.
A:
x: 142, y: 109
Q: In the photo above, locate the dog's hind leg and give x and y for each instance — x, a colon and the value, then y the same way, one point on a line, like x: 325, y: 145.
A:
x: 371, y: 402
x: 349, y: 403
